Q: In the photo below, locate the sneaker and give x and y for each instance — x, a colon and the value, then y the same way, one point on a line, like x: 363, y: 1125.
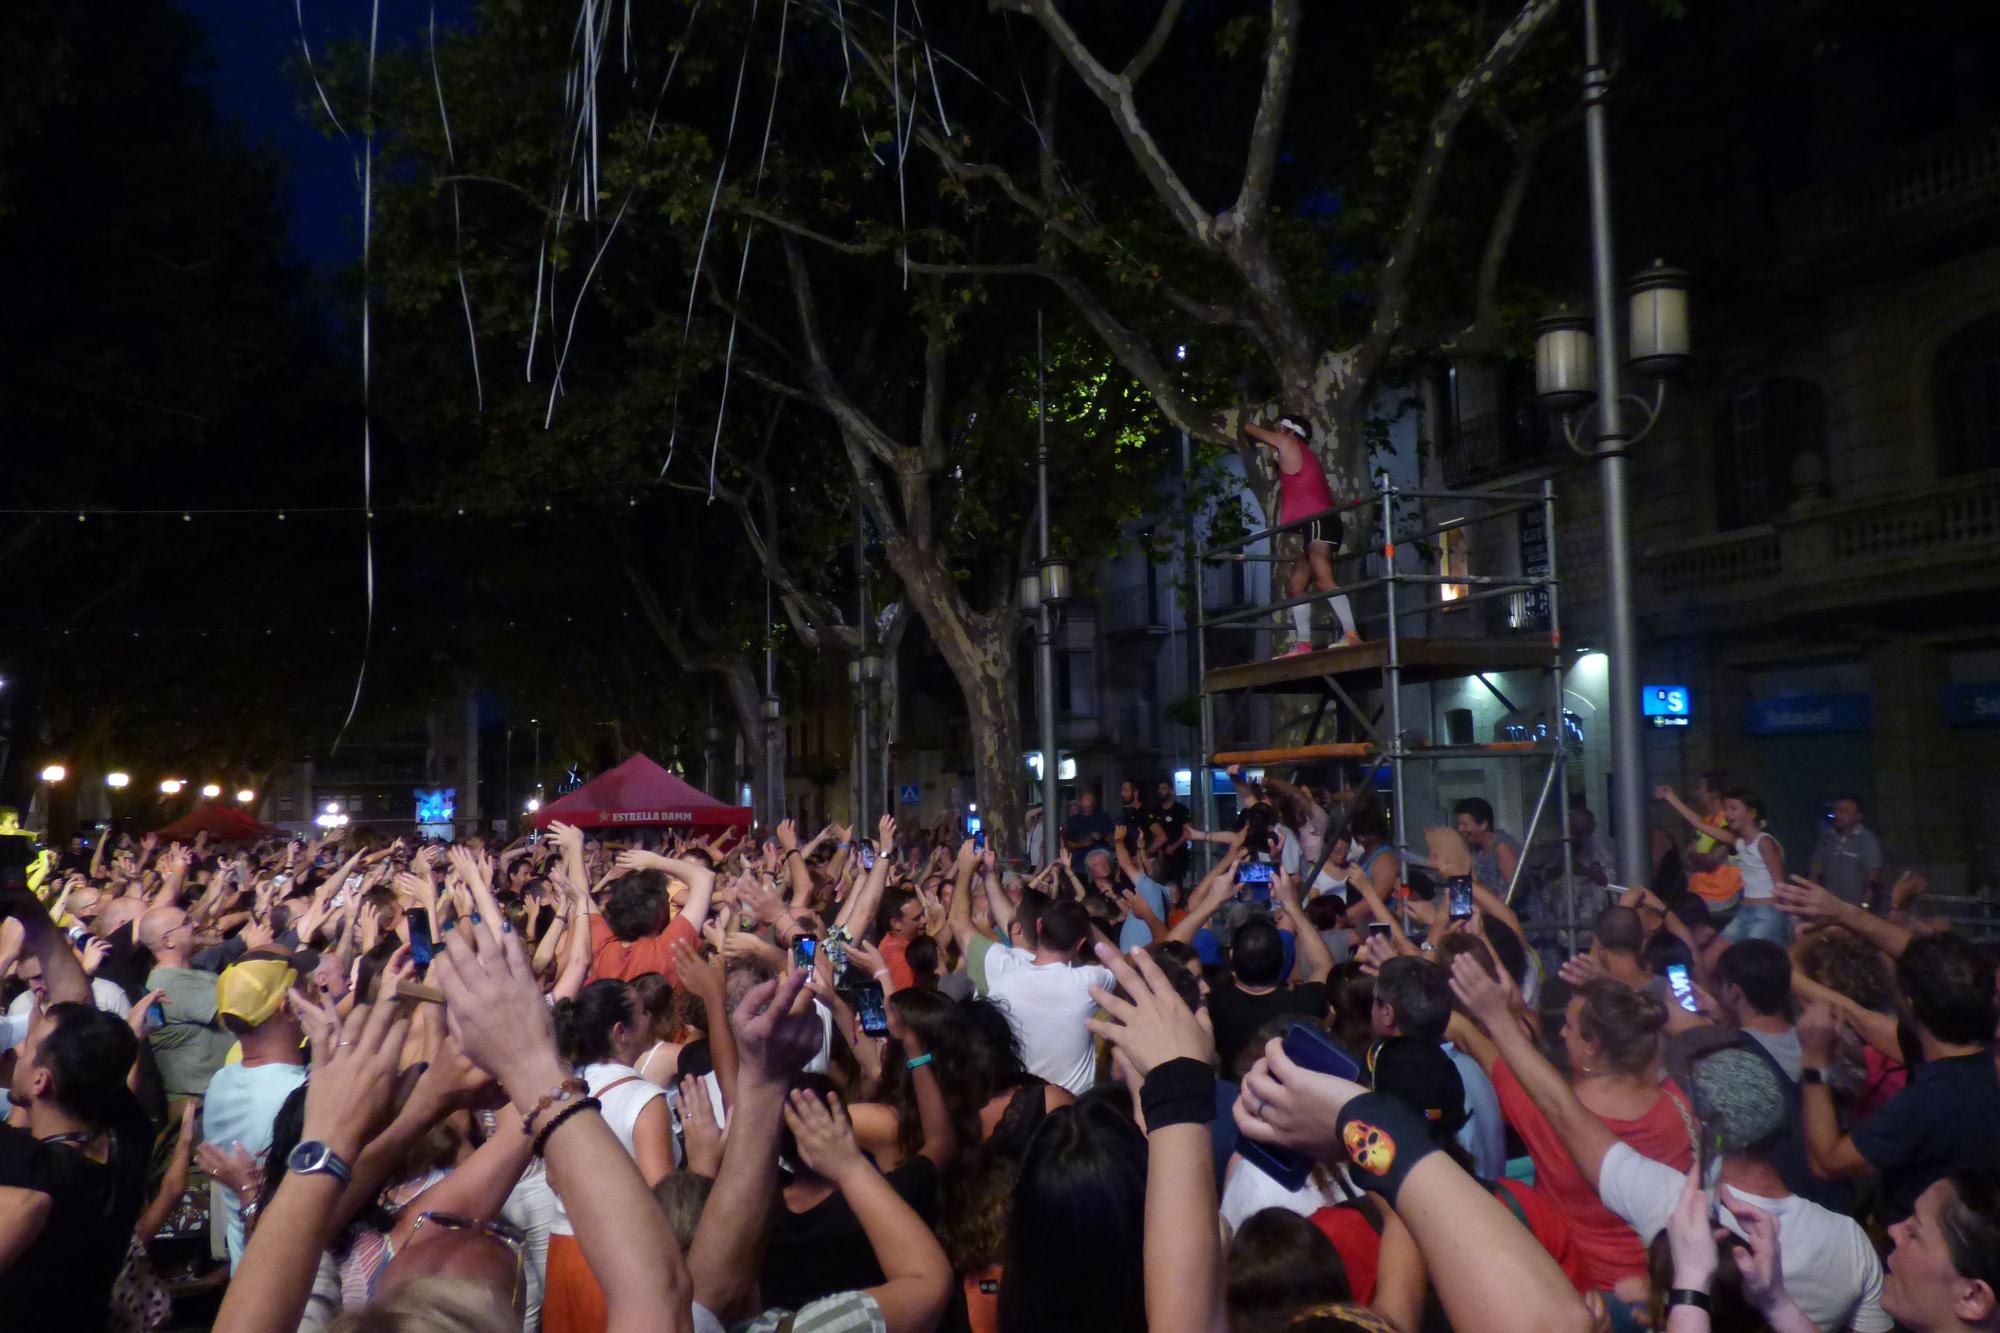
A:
x: 1348, y: 640
x: 1298, y: 650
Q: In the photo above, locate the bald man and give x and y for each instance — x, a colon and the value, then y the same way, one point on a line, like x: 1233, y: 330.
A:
x: 191, y: 1045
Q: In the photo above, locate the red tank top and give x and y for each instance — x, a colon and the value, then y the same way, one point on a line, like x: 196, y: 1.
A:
x: 1304, y: 492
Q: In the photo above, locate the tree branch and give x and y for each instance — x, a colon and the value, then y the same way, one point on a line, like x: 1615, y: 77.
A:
x: 1133, y: 352
x: 818, y: 238
x: 1156, y: 42
x: 1392, y: 288
x: 1281, y: 61
x: 1115, y: 92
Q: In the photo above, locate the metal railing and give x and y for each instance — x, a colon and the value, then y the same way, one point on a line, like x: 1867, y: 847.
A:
x: 1400, y: 517
x: 1943, y: 173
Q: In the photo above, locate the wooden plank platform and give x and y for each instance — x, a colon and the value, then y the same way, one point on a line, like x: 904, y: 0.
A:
x: 1298, y: 754
x: 1361, y: 666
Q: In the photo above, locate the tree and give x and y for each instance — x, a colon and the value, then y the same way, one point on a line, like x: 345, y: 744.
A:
x: 913, y: 404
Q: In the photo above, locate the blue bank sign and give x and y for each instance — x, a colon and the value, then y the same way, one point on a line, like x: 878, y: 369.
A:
x: 1972, y: 705
x: 1806, y: 714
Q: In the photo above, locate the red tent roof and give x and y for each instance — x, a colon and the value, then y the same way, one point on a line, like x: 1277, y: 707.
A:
x: 639, y: 792
x: 222, y: 823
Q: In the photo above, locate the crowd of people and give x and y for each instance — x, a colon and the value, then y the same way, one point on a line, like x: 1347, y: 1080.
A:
x: 1297, y: 1074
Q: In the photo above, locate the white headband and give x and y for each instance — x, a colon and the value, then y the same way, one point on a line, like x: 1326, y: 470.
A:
x: 1286, y: 423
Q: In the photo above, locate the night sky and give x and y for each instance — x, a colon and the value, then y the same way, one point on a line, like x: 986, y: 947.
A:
x: 254, y: 45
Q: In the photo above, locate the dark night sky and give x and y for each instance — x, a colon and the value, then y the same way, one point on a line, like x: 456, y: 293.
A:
x: 254, y: 47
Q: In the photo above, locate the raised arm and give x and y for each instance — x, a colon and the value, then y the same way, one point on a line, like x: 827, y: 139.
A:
x: 1722, y: 835
x: 1475, y: 1249
x: 916, y: 1275
x: 62, y: 975
x: 958, y: 915
x: 1812, y: 902
x: 1311, y: 945
x: 860, y: 909
x: 1172, y: 1049
x: 1491, y: 1005
x: 729, y: 1242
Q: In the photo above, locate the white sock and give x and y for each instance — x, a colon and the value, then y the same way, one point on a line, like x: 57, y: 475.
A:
x: 1302, y: 621
x: 1343, y: 611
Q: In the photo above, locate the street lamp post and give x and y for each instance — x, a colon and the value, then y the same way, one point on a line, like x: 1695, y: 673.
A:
x: 1052, y: 586
x: 863, y: 730
x: 1563, y: 357
x: 772, y: 714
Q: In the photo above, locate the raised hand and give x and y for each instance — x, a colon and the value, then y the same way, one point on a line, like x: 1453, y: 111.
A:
x: 233, y: 1166
x: 1283, y: 1102
x: 788, y: 835
x: 634, y: 859
x: 1490, y: 1002
x: 1759, y: 1260
x: 1582, y: 970
x: 885, y: 836
x: 866, y: 957
x: 701, y: 1136
x: 352, y: 1090
x: 1152, y: 1025
x: 1691, y: 1237
x: 776, y: 1031
x: 824, y: 1135
x: 1818, y: 1028
x: 697, y: 974
x: 1804, y: 899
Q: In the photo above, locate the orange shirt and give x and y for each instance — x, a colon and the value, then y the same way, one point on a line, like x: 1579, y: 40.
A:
x: 614, y: 958
x: 896, y: 953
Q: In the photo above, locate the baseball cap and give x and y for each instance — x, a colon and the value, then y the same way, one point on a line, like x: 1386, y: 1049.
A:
x: 1737, y: 1098
x: 252, y: 989
x: 1424, y: 1078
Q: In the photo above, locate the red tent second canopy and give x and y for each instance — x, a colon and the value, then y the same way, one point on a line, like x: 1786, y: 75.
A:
x: 639, y: 793
x: 222, y: 823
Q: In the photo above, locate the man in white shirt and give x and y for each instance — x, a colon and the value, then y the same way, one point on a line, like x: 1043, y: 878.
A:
x: 1830, y: 1268
x: 1047, y: 996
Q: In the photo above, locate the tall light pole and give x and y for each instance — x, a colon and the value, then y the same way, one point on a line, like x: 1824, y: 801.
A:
x: 1564, y: 356
x: 1051, y: 586
x: 773, y: 798
x: 862, y: 685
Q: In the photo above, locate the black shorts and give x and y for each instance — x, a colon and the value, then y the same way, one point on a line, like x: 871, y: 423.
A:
x: 1327, y: 530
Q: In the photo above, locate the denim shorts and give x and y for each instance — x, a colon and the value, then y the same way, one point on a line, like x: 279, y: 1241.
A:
x: 1759, y: 919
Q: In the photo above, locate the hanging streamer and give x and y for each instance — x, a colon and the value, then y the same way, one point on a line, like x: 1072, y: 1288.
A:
x: 743, y: 264
x: 457, y: 246
x: 701, y: 250
x: 652, y: 123
x: 936, y: 91
x: 367, y: 441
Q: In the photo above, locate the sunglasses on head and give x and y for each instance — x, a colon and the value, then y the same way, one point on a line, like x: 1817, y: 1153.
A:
x: 506, y: 1233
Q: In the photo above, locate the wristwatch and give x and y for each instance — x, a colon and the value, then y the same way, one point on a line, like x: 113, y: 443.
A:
x: 1811, y: 1075
x: 313, y: 1158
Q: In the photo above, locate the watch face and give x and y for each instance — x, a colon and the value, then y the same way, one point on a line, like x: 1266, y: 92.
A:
x: 307, y: 1157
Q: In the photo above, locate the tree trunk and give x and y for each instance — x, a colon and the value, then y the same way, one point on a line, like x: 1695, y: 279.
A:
x: 980, y: 653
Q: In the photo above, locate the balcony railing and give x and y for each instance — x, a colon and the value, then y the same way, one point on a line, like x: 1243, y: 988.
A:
x: 1944, y: 173
x: 1955, y: 522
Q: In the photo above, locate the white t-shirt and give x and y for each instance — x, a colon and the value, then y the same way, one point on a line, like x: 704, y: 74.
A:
x: 1830, y: 1268
x: 106, y: 994
x: 1047, y: 1004
x: 620, y: 1108
x: 1249, y: 1191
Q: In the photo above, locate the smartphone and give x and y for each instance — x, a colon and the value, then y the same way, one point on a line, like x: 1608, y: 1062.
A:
x: 836, y: 952
x: 865, y: 855
x: 420, y: 936
x: 1677, y: 977
x: 1255, y: 878
x: 1312, y: 1048
x: 873, y: 1008
x: 156, y: 1016
x: 1379, y: 928
x: 803, y: 949
x: 979, y: 841
x: 1459, y: 893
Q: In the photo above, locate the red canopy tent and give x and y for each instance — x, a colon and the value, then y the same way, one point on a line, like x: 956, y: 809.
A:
x: 222, y: 823
x: 637, y: 793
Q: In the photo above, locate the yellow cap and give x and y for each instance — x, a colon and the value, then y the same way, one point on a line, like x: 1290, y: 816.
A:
x: 252, y: 990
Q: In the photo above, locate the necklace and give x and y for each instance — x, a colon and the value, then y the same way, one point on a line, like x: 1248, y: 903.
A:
x: 73, y: 1136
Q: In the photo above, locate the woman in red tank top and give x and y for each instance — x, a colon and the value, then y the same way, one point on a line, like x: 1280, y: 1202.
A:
x: 1303, y: 494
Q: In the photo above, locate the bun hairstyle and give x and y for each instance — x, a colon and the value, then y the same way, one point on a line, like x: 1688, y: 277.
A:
x: 1624, y: 1023
x: 583, y: 1025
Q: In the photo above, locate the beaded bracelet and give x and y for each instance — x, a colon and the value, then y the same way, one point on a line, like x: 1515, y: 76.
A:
x: 567, y: 1090
x: 561, y: 1118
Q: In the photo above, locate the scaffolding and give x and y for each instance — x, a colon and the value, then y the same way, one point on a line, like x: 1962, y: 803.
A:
x: 1391, y: 656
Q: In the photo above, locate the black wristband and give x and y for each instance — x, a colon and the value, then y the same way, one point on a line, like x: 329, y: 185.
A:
x: 1384, y: 1138
x: 1179, y: 1092
x: 1689, y: 1296
x: 561, y: 1117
